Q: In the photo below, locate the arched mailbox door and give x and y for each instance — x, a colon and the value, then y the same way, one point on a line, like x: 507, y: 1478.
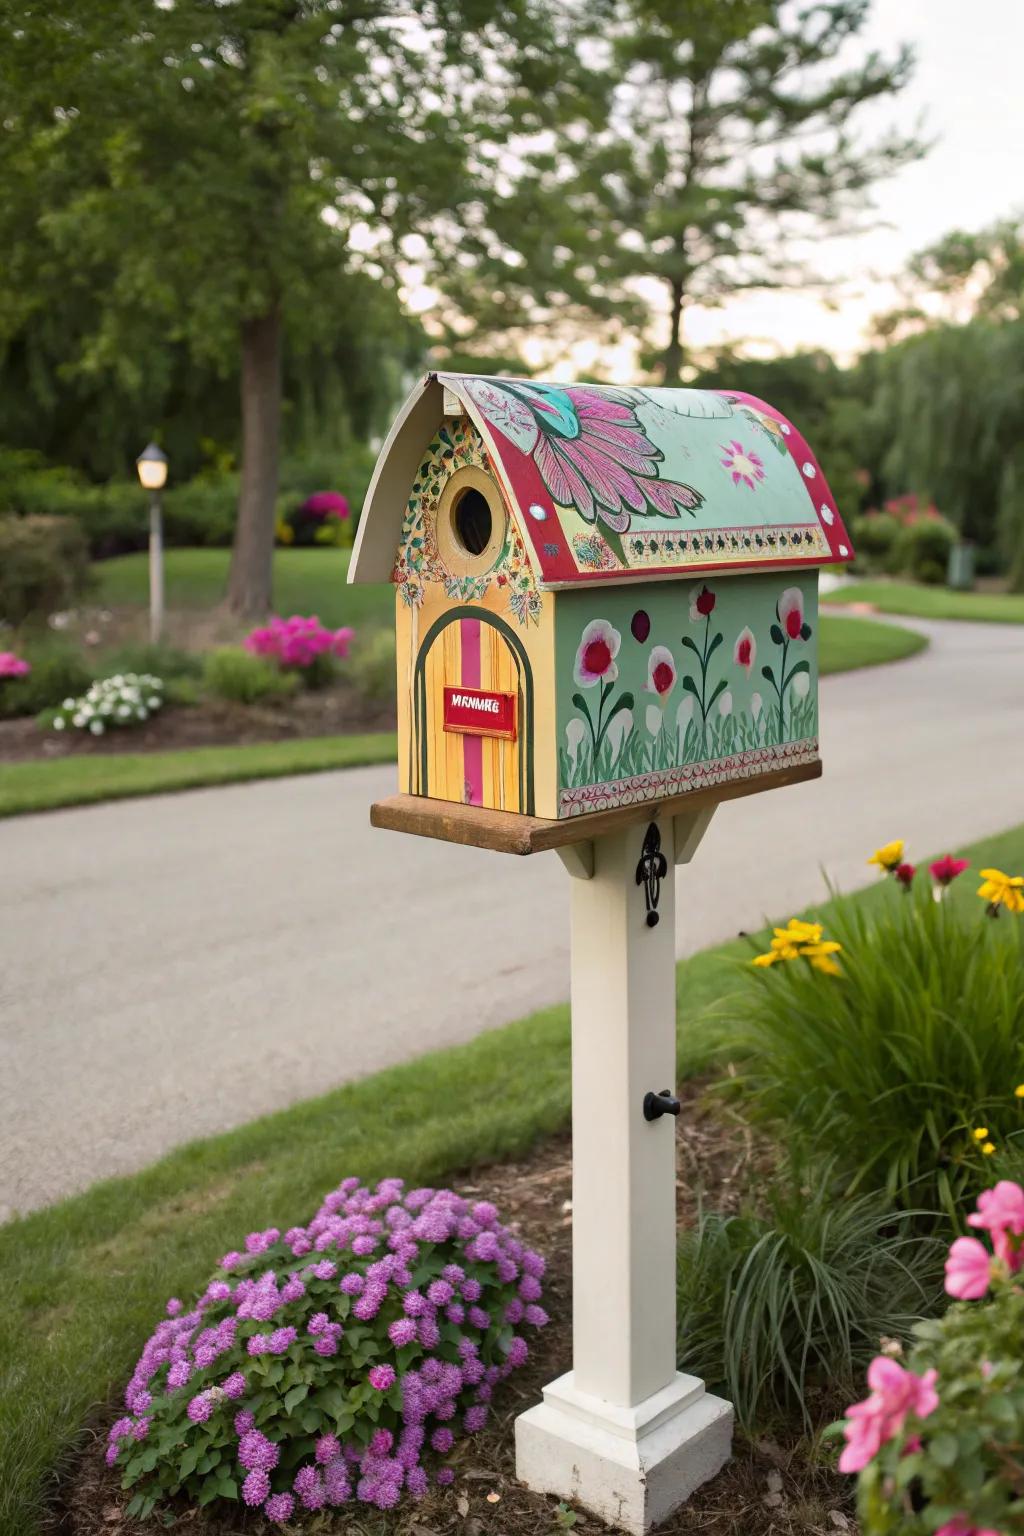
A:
x: 473, y: 713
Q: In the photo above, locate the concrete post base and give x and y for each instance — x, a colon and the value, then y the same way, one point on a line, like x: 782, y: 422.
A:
x: 631, y: 1466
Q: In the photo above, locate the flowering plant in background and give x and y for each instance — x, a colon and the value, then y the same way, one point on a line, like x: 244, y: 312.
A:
x: 937, y: 1444
x: 12, y: 665
x: 317, y: 520
x: 802, y: 941
x: 112, y: 703
x: 1000, y: 890
x: 335, y: 1361
x: 945, y: 870
x: 303, y: 645
x: 889, y: 857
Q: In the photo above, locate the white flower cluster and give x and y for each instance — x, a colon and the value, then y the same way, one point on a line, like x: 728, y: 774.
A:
x: 124, y: 699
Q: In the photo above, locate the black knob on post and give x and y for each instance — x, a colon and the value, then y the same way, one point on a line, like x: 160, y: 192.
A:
x: 658, y: 1104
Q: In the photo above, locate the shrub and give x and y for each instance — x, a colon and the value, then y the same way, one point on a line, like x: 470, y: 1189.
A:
x: 44, y: 566
x: 55, y: 674
x: 922, y: 549
x: 937, y: 1444
x: 167, y: 661
x: 234, y: 674
x: 874, y: 537
x: 333, y: 1361
x: 890, y: 1066
x: 202, y: 511
x: 371, y: 667
x: 783, y: 1310
x: 112, y: 703
x: 302, y: 645
x: 320, y: 519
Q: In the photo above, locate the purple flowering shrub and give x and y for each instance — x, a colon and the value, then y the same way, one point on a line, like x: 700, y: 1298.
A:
x: 335, y: 1361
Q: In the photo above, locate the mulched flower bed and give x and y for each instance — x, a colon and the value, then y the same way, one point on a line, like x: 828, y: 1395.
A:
x: 335, y: 711
x: 770, y: 1488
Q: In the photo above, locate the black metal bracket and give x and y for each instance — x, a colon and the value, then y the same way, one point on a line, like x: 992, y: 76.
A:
x: 658, y: 1104
x: 651, y: 871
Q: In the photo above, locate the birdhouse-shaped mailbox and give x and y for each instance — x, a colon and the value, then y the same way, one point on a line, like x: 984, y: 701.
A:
x: 604, y: 596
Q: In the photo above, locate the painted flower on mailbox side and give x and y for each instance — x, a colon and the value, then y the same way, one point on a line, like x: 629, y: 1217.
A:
x: 790, y: 627
x: 745, y: 650
x: 596, y: 667
x: 661, y: 672
x: 589, y: 447
x: 595, y: 658
x: 702, y: 604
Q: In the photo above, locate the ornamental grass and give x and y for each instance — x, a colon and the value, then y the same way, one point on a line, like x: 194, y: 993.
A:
x: 890, y: 1059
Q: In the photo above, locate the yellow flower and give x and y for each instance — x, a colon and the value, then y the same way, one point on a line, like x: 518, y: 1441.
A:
x: 888, y: 857
x: 1019, y: 1090
x: 1001, y: 890
x: 980, y: 1132
x: 801, y: 940
x: 988, y: 1148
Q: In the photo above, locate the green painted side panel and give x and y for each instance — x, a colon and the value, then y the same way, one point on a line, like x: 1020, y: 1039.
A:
x: 667, y: 687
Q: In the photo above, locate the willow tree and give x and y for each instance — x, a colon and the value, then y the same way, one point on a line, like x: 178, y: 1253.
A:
x: 732, y: 136
x: 209, y: 171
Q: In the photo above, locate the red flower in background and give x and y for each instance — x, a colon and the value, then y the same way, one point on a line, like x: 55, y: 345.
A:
x: 905, y: 874
x: 945, y: 870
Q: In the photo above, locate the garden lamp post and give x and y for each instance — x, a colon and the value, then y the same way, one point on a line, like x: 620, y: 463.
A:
x: 152, y: 467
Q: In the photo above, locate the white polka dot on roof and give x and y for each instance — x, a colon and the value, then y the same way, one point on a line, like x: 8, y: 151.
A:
x: 537, y: 511
x: 786, y: 430
x: 843, y: 549
x: 810, y: 471
x: 827, y: 514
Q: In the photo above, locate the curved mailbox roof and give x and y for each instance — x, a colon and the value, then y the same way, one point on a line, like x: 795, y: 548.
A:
x: 611, y: 482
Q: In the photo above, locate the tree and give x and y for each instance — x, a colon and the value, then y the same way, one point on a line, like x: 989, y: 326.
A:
x: 207, y: 172
x: 729, y: 138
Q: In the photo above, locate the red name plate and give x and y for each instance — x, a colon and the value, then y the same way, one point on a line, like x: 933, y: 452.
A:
x: 473, y: 712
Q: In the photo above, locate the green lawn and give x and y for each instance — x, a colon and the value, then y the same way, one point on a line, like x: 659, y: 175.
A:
x: 84, y: 1281
x: 849, y: 643
x: 933, y: 602
x: 305, y: 581
x: 84, y: 780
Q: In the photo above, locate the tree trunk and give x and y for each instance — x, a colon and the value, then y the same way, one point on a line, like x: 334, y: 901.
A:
x: 250, y: 586
x: 672, y: 359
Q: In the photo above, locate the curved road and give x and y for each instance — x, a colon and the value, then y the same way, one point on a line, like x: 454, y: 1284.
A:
x: 175, y: 966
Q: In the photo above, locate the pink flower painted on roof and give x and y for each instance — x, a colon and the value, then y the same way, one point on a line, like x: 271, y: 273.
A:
x: 968, y: 1269
x: 896, y: 1393
x: 745, y: 466
x: 589, y: 446
x: 595, y: 658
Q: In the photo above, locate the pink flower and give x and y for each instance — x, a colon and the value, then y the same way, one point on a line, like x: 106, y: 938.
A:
x: 1001, y: 1213
x: 961, y: 1526
x: 589, y: 447
x: 13, y: 666
x: 905, y: 873
x: 896, y: 1393
x: 790, y: 609
x: 661, y: 671
x: 745, y: 651
x: 968, y: 1269
x: 595, y: 658
x: 702, y: 605
x: 945, y: 870
x: 744, y: 465
x: 325, y: 504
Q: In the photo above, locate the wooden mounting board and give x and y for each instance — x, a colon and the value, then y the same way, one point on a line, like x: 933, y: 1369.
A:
x: 508, y: 832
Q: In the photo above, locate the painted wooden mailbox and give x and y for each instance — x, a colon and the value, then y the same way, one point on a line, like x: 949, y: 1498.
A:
x: 606, y: 616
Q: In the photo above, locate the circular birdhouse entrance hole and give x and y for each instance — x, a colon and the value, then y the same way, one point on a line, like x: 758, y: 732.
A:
x: 471, y: 517
x: 471, y: 523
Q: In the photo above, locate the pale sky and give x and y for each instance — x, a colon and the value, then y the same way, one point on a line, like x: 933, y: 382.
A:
x: 969, y: 88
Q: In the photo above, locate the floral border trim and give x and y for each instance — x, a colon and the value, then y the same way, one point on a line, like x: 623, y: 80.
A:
x: 682, y: 780
x: 724, y: 546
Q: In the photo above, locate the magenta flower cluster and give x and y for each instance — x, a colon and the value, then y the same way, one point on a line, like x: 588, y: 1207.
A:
x: 12, y: 665
x: 298, y: 641
x: 341, y: 1359
x: 902, y: 1401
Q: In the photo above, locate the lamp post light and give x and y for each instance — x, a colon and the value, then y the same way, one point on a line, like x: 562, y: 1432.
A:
x: 152, y: 467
